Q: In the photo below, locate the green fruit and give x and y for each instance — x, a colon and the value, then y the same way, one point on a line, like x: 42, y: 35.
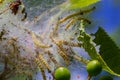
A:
x: 62, y: 73
x: 106, y: 78
x: 94, y: 67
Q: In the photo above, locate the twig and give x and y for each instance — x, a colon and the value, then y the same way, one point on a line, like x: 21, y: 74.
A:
x: 89, y: 77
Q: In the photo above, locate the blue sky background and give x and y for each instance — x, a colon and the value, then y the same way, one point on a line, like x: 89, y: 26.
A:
x: 107, y: 15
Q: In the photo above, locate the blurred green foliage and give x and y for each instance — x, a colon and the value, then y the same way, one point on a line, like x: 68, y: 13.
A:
x: 81, y: 3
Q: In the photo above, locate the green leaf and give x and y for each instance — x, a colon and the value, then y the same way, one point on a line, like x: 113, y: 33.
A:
x: 108, y: 50
x: 109, y: 55
x: 115, y: 36
x: 81, y: 3
x: 88, y: 45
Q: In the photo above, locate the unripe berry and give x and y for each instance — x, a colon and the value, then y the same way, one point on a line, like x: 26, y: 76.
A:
x: 94, y: 67
x: 62, y: 73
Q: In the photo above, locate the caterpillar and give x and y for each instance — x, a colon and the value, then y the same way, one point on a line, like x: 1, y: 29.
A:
x: 41, y: 68
x: 69, y: 43
x: 53, y: 59
x: 44, y: 62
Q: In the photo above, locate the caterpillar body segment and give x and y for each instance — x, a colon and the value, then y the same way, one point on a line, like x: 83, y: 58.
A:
x: 53, y: 59
x: 41, y: 68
